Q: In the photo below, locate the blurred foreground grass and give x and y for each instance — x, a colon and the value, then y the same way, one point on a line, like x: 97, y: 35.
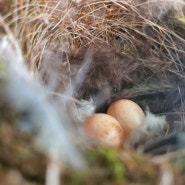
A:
x: 21, y: 163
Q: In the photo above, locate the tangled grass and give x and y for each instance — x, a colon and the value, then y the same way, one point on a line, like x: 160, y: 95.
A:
x: 142, y: 27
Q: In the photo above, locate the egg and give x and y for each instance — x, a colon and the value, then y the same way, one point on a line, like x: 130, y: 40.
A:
x: 128, y: 113
x: 104, y: 129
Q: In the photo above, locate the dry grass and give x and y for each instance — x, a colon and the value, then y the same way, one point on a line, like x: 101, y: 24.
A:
x: 128, y: 26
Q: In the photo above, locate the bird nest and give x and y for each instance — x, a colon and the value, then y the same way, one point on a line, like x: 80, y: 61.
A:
x: 145, y: 38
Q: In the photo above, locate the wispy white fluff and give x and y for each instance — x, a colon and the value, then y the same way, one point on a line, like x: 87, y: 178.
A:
x: 77, y: 1
x: 84, y: 109
x: 153, y: 124
x: 24, y: 94
x: 167, y: 177
x: 159, y: 8
x: 152, y: 127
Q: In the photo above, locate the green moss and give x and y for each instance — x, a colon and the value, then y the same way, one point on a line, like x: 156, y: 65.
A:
x: 181, y: 19
x: 117, y: 168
